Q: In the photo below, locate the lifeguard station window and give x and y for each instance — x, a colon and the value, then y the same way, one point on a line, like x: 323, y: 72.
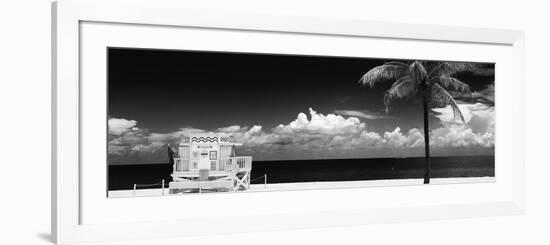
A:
x: 213, y: 155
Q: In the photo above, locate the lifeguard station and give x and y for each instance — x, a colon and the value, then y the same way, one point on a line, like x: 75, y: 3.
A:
x: 207, y: 162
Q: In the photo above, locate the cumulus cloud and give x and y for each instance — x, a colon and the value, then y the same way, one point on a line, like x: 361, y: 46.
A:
x: 131, y: 142
x: 479, y: 117
x: 118, y: 126
x: 460, y: 136
x: 230, y: 129
x: 320, y: 135
x: 122, y: 143
x: 396, y: 139
x: 329, y: 124
x: 478, y: 130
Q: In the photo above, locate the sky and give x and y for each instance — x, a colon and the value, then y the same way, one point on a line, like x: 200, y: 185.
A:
x: 281, y: 107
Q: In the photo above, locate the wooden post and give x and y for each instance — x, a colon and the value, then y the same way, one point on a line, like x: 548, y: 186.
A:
x: 163, y: 187
x: 265, y: 181
x: 134, y: 190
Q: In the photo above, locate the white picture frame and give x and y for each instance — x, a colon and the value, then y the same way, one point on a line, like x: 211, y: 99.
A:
x: 67, y: 199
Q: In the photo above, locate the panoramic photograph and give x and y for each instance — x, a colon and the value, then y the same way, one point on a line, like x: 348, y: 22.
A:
x: 192, y: 122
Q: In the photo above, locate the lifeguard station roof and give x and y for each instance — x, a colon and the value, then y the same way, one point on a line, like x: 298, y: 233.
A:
x: 205, y: 138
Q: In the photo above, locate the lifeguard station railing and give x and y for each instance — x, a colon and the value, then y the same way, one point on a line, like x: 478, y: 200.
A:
x: 236, y: 163
x: 223, y: 164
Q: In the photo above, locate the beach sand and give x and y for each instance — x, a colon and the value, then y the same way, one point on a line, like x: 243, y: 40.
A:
x: 315, y: 185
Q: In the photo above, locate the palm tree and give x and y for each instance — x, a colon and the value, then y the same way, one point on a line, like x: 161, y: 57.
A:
x: 432, y: 81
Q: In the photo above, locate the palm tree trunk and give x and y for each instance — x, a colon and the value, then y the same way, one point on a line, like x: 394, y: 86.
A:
x: 425, y: 99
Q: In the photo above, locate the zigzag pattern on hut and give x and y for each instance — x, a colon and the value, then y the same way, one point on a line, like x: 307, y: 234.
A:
x: 204, y: 139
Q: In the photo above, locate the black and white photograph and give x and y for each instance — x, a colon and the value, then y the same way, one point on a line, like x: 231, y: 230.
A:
x: 275, y: 122
x: 187, y: 122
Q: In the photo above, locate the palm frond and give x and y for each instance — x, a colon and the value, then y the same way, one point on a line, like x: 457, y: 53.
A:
x: 418, y: 71
x: 432, y: 65
x: 449, y: 68
x: 441, y: 97
x: 390, y: 71
x: 397, y: 63
x: 404, y: 87
x: 453, y: 84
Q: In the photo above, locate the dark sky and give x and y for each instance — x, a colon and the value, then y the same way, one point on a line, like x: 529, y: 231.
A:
x: 167, y: 90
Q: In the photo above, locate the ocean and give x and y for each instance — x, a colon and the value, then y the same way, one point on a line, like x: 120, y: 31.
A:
x: 123, y: 177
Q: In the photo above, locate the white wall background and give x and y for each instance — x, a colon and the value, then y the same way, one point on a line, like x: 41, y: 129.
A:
x: 25, y: 122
